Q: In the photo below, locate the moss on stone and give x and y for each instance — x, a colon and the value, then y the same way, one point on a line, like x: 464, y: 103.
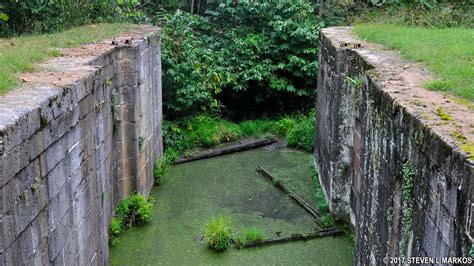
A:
x: 443, y: 115
x: 469, y: 149
x: 43, y: 121
x: 408, y: 176
x: 417, y: 102
x: 390, y: 216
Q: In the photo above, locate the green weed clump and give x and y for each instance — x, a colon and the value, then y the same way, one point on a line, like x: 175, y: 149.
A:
x: 218, y: 233
x: 207, y: 131
x: 204, y: 131
x: 301, y: 134
x: 327, y: 220
x: 131, y: 211
x: 258, y: 128
x: 162, y: 164
x: 321, y: 203
x: 442, y: 114
x: 251, y: 235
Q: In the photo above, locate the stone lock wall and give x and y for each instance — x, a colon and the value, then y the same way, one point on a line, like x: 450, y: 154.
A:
x: 74, y: 140
x: 374, y: 118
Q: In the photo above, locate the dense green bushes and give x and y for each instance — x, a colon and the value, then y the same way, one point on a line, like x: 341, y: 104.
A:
x: 252, y: 58
x: 207, y: 131
x: 203, y: 131
x: 18, y: 17
x: 131, y: 211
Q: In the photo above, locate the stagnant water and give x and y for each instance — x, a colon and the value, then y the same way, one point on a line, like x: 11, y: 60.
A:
x: 197, y: 191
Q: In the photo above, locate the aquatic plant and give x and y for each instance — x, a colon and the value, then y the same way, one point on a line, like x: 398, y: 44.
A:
x: 131, y: 211
x: 327, y: 220
x: 218, y: 233
x: 251, y: 235
x: 162, y: 164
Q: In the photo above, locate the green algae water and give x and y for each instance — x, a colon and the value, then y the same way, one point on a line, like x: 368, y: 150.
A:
x: 197, y: 191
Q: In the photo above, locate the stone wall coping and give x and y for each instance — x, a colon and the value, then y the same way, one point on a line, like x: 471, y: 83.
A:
x: 43, y: 96
x: 403, y: 81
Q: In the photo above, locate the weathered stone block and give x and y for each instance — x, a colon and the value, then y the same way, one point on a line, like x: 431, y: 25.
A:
x: 364, y: 135
x: 62, y: 165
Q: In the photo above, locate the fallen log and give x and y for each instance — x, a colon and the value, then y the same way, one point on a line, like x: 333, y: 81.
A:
x: 262, y: 171
x: 294, y: 237
x: 227, y: 150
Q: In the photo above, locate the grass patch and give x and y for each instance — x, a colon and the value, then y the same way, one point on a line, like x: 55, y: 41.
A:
x: 20, y: 54
x: 204, y: 131
x: 251, y: 235
x: 321, y: 203
x: 218, y: 233
x: 131, y: 211
x: 207, y: 131
x: 447, y: 52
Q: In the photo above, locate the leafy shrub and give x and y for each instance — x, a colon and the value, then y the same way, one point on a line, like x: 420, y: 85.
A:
x: 218, y: 233
x: 162, y: 164
x: 190, y: 75
x: 115, y: 229
x: 51, y: 16
x: 208, y: 131
x: 327, y: 220
x: 250, y: 55
x: 257, y: 127
x: 134, y: 210
x: 301, y: 134
x: 131, y: 211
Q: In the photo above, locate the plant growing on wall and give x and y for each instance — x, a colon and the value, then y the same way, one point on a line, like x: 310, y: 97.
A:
x: 408, y: 176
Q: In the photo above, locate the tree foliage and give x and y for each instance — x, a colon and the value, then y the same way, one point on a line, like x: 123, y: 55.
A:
x: 244, y: 55
x: 37, y: 16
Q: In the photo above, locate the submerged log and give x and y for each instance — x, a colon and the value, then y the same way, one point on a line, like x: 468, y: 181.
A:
x: 294, y: 237
x: 228, y: 150
x: 262, y: 171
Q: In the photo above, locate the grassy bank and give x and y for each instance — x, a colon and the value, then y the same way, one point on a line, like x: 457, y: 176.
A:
x: 19, y: 55
x: 204, y: 131
x: 447, y: 52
